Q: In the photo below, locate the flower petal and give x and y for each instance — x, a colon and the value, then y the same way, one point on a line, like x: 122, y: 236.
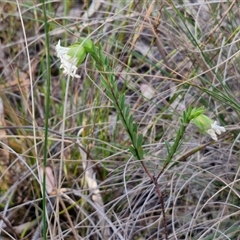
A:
x: 61, y: 51
x: 212, y: 133
x: 218, y: 129
x: 68, y: 63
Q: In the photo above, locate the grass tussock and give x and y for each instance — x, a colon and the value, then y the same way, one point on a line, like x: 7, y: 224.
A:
x: 70, y: 157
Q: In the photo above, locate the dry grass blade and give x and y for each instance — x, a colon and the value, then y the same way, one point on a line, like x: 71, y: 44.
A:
x: 5, y: 176
x: 93, y: 8
x: 166, y: 56
x: 90, y: 178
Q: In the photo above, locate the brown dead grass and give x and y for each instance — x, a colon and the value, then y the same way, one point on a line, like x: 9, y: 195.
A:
x: 150, y: 45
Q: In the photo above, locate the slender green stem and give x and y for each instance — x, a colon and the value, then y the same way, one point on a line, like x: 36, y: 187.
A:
x: 176, y: 143
x: 46, y: 28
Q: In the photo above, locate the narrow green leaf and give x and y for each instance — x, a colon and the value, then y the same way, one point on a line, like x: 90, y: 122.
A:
x: 122, y: 101
x: 130, y: 126
x: 126, y: 112
x: 168, y: 146
x: 106, y: 63
x: 133, y: 151
x: 139, y: 140
x: 115, y: 86
x: 89, y: 46
x: 135, y: 127
x: 110, y: 95
x: 104, y: 82
x: 134, y: 139
x: 130, y: 121
x: 140, y: 153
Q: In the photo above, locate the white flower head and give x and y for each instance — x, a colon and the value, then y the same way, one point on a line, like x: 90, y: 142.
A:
x: 209, y: 126
x: 214, y: 130
x: 68, y: 63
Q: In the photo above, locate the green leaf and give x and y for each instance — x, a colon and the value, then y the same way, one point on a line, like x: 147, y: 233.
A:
x: 104, y: 82
x: 133, y: 151
x: 134, y: 139
x: 115, y: 87
x: 89, y: 46
x: 135, y: 127
x: 106, y: 63
x: 122, y: 101
x: 139, y: 140
x: 110, y: 95
x: 130, y: 122
x: 195, y: 112
x: 168, y: 146
x: 140, y: 153
x: 185, y: 116
x: 126, y: 112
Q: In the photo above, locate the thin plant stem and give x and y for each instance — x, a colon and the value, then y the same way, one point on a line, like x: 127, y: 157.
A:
x: 47, y: 110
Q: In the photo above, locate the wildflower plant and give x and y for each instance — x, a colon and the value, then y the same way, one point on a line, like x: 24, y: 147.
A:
x: 74, y: 55
x: 150, y: 150
x: 77, y: 53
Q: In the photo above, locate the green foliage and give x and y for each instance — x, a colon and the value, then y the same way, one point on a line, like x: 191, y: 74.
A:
x: 187, y: 116
x: 194, y: 112
x: 185, y: 53
x: 118, y: 100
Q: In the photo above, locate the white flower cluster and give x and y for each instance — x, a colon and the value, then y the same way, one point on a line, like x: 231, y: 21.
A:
x: 68, y: 63
x: 214, y: 130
